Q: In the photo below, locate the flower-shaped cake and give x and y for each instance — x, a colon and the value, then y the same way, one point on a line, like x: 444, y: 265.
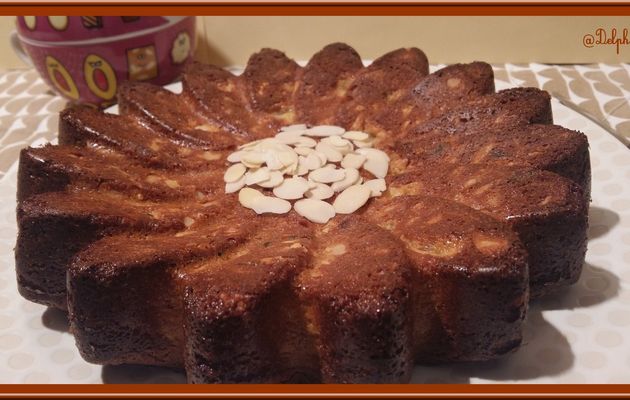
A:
x: 127, y: 223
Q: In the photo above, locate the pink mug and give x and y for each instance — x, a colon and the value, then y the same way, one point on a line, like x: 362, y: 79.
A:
x: 85, y: 59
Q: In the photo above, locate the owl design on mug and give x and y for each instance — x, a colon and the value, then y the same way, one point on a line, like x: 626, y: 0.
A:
x: 142, y: 63
x: 99, y: 76
x: 181, y: 48
x: 61, y: 78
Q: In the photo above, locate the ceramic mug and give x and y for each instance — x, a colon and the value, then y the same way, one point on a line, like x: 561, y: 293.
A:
x: 85, y: 59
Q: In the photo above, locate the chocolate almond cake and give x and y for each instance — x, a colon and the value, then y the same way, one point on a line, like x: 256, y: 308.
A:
x: 326, y: 223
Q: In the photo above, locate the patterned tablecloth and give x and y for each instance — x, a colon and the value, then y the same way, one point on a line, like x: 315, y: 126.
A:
x: 578, y: 336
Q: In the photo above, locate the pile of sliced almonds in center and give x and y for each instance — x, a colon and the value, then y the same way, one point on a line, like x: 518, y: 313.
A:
x: 308, y: 165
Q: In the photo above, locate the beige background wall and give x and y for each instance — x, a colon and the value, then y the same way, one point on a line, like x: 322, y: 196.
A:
x: 229, y: 40
x: 444, y: 39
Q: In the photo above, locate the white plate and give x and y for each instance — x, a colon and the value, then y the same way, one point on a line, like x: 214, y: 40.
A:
x: 577, y: 336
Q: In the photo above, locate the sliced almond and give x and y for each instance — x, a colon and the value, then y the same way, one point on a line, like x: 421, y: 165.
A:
x: 234, y: 186
x: 325, y: 130
x: 363, y: 144
x: 288, y: 157
x: 236, y: 156
x: 259, y: 175
x: 250, y: 165
x: 352, y: 176
x: 291, y: 134
x: 246, y: 196
x: 234, y: 173
x: 356, y: 135
x: 312, y: 161
x: 327, y: 175
x: 346, y: 150
x: 373, y: 153
x: 269, y: 204
x: 272, y: 160
x: 377, y: 186
x: 319, y: 191
x: 291, y: 188
x: 351, y: 199
x: 290, y: 169
x: 306, y: 142
x: 376, y: 163
x: 329, y: 151
x: 315, y: 210
x: 377, y: 167
x: 290, y: 139
x: 297, y: 150
x: 341, y: 145
x: 353, y: 160
x: 253, y: 159
x: 337, y: 141
x: 275, y: 179
x: 301, y: 170
x: 272, y: 144
x: 303, y: 151
x: 322, y: 157
x: 250, y: 145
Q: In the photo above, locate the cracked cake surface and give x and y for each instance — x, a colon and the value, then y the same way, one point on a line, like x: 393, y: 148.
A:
x: 126, y: 224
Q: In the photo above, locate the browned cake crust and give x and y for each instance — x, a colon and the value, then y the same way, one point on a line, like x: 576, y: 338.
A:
x: 42, y: 258
x: 126, y: 223
x: 304, y: 305
x: 271, y: 82
x: 387, y: 81
x: 446, y: 88
x: 383, y: 102
x: 148, y: 285
x: 54, y: 168
x: 548, y: 147
x: 54, y: 226
x: 469, y: 274
x: 86, y: 127
x: 219, y: 97
x: 547, y: 211
x: 492, y: 112
x: 175, y: 116
x: 324, y: 82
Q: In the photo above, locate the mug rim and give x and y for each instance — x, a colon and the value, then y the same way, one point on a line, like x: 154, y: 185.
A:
x: 101, y: 40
